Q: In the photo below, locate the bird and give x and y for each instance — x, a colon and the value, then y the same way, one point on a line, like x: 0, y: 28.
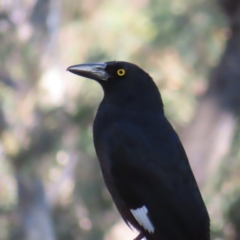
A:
x: 143, y: 163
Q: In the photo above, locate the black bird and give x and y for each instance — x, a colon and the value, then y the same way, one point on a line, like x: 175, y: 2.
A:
x: 143, y: 162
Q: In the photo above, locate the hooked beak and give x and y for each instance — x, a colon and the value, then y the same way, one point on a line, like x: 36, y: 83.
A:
x: 94, y: 71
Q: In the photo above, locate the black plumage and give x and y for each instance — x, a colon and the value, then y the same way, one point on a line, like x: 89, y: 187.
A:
x: 144, y: 165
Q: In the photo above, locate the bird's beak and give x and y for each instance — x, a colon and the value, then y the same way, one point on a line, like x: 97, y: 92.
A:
x: 94, y: 71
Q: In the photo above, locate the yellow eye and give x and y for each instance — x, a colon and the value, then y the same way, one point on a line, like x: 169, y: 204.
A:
x: 121, y: 72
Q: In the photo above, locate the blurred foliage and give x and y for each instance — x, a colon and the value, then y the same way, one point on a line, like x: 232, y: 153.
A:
x: 46, y: 114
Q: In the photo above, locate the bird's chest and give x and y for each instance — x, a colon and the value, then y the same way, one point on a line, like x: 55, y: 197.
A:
x: 101, y: 132
x: 100, y: 138
x: 106, y: 117
x: 101, y: 129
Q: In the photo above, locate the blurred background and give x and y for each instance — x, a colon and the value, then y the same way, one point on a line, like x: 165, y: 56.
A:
x: 50, y: 183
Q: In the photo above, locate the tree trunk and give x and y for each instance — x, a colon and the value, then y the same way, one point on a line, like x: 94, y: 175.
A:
x: 34, y: 211
x: 208, y: 137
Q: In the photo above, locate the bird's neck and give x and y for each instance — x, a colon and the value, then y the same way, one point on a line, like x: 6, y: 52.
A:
x: 127, y: 109
x: 140, y: 100
x: 132, y: 104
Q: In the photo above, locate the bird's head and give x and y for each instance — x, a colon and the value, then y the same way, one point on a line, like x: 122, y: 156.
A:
x: 109, y: 73
x: 121, y: 81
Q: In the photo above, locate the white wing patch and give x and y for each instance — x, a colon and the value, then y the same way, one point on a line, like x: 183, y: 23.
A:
x: 141, y: 216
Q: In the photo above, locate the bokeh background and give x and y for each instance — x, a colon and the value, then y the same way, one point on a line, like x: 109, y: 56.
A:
x: 50, y: 183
